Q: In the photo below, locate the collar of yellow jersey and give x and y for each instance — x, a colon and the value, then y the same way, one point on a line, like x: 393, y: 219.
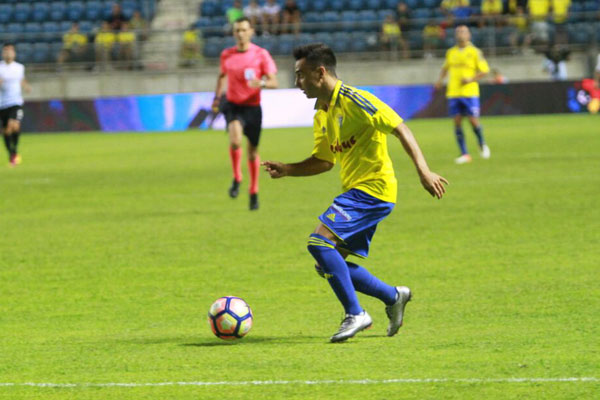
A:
x: 335, y: 94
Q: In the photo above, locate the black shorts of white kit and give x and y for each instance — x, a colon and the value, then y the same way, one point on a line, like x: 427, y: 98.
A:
x: 249, y: 116
x: 13, y: 112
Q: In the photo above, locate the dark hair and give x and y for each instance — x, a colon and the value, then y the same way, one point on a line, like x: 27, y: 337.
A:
x: 242, y: 19
x: 8, y: 44
x: 317, y: 54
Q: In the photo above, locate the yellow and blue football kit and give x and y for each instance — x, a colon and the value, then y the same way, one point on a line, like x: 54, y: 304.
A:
x: 352, y: 130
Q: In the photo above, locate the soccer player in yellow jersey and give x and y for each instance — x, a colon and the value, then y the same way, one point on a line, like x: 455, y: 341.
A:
x: 465, y: 66
x: 351, y: 127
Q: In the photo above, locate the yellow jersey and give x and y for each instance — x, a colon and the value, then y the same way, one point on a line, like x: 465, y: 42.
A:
x: 126, y: 37
x: 105, y: 39
x: 71, y: 39
x: 560, y: 10
x: 538, y: 9
x: 352, y: 129
x: 391, y: 29
x: 464, y: 63
x: 491, y: 7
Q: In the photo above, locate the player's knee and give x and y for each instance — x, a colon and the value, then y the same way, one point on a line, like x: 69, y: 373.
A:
x: 318, y: 244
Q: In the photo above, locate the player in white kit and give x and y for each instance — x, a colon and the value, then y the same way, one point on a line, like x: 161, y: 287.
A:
x: 12, y: 81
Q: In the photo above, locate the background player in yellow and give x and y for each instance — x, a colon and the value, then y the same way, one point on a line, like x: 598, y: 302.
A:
x: 465, y: 66
x: 351, y: 127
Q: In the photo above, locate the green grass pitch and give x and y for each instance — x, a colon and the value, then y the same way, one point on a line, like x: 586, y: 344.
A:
x: 112, y: 248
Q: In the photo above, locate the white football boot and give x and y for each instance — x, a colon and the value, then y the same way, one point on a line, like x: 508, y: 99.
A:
x: 485, y: 152
x: 465, y: 158
x: 395, y: 312
x: 351, y: 325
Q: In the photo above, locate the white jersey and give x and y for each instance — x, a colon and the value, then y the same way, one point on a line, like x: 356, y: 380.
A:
x: 11, y: 76
x: 598, y: 64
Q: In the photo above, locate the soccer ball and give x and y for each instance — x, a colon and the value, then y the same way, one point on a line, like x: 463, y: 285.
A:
x: 230, y: 318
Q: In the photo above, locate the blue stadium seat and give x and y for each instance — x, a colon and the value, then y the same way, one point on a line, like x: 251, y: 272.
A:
x: 93, y: 11
x: 415, y: 40
x: 431, y: 4
x: 310, y: 19
x: 40, y: 12
x: 369, y: 21
x: 331, y: 20
x: 374, y: 5
x: 356, y: 5
x: 412, y: 4
x: 580, y: 33
x: 382, y: 14
x: 212, y: 47
x: 85, y: 26
x: 24, y: 51
x: 75, y: 11
x: 6, y: 11
x: 303, y: 5
x: 336, y: 5
x: 32, y: 31
x: 391, y: 4
x: 325, y: 37
x: 41, y: 53
x: 57, y: 11
x: 303, y: 38
x: 51, y: 31
x: 421, y: 13
x: 349, y: 20
x: 358, y: 42
x: 319, y: 5
x: 21, y: 12
x: 286, y: 44
x: 64, y: 26
x: 341, y: 42
x: 224, y: 6
x: 209, y: 9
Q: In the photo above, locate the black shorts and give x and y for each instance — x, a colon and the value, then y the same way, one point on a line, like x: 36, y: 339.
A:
x: 249, y: 116
x: 13, y: 112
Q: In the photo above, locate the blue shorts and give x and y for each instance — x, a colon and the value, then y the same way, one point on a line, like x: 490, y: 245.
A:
x: 353, y: 218
x: 463, y: 106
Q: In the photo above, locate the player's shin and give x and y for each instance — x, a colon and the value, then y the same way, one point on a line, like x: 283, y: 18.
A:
x: 460, y: 140
x: 254, y: 169
x: 336, y: 271
x: 367, y: 283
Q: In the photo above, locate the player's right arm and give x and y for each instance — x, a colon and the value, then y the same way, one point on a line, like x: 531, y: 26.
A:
x: 443, y: 73
x: 219, y: 92
x: 311, y: 166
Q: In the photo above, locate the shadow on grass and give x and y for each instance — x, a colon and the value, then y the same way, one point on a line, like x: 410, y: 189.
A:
x: 277, y: 340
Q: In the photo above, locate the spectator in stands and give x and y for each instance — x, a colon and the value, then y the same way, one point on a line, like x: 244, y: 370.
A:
x: 291, y: 17
x: 190, y: 47
x: 139, y: 25
x: 235, y: 12
x: 391, y: 37
x: 433, y: 35
x: 491, y: 11
x: 103, y: 45
x: 254, y: 13
x: 560, y: 14
x: 127, y: 41
x: 538, y: 13
x: 555, y: 62
x: 271, y: 12
x: 497, y: 77
x: 511, y: 6
x: 116, y: 17
x: 520, y: 36
x: 75, y: 45
x: 458, y: 9
x: 403, y: 16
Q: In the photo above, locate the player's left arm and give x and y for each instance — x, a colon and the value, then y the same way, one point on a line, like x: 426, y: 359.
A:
x: 431, y: 181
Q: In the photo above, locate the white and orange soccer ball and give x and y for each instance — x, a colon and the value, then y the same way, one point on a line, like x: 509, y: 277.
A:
x: 230, y: 318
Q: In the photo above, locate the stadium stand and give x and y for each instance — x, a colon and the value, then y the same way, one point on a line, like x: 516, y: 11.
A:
x: 37, y: 26
x: 323, y: 20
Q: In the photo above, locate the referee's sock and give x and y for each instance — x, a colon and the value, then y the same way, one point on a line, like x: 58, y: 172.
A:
x: 335, y: 271
x: 236, y: 163
x: 460, y: 139
x: 254, y: 169
x: 367, y: 283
